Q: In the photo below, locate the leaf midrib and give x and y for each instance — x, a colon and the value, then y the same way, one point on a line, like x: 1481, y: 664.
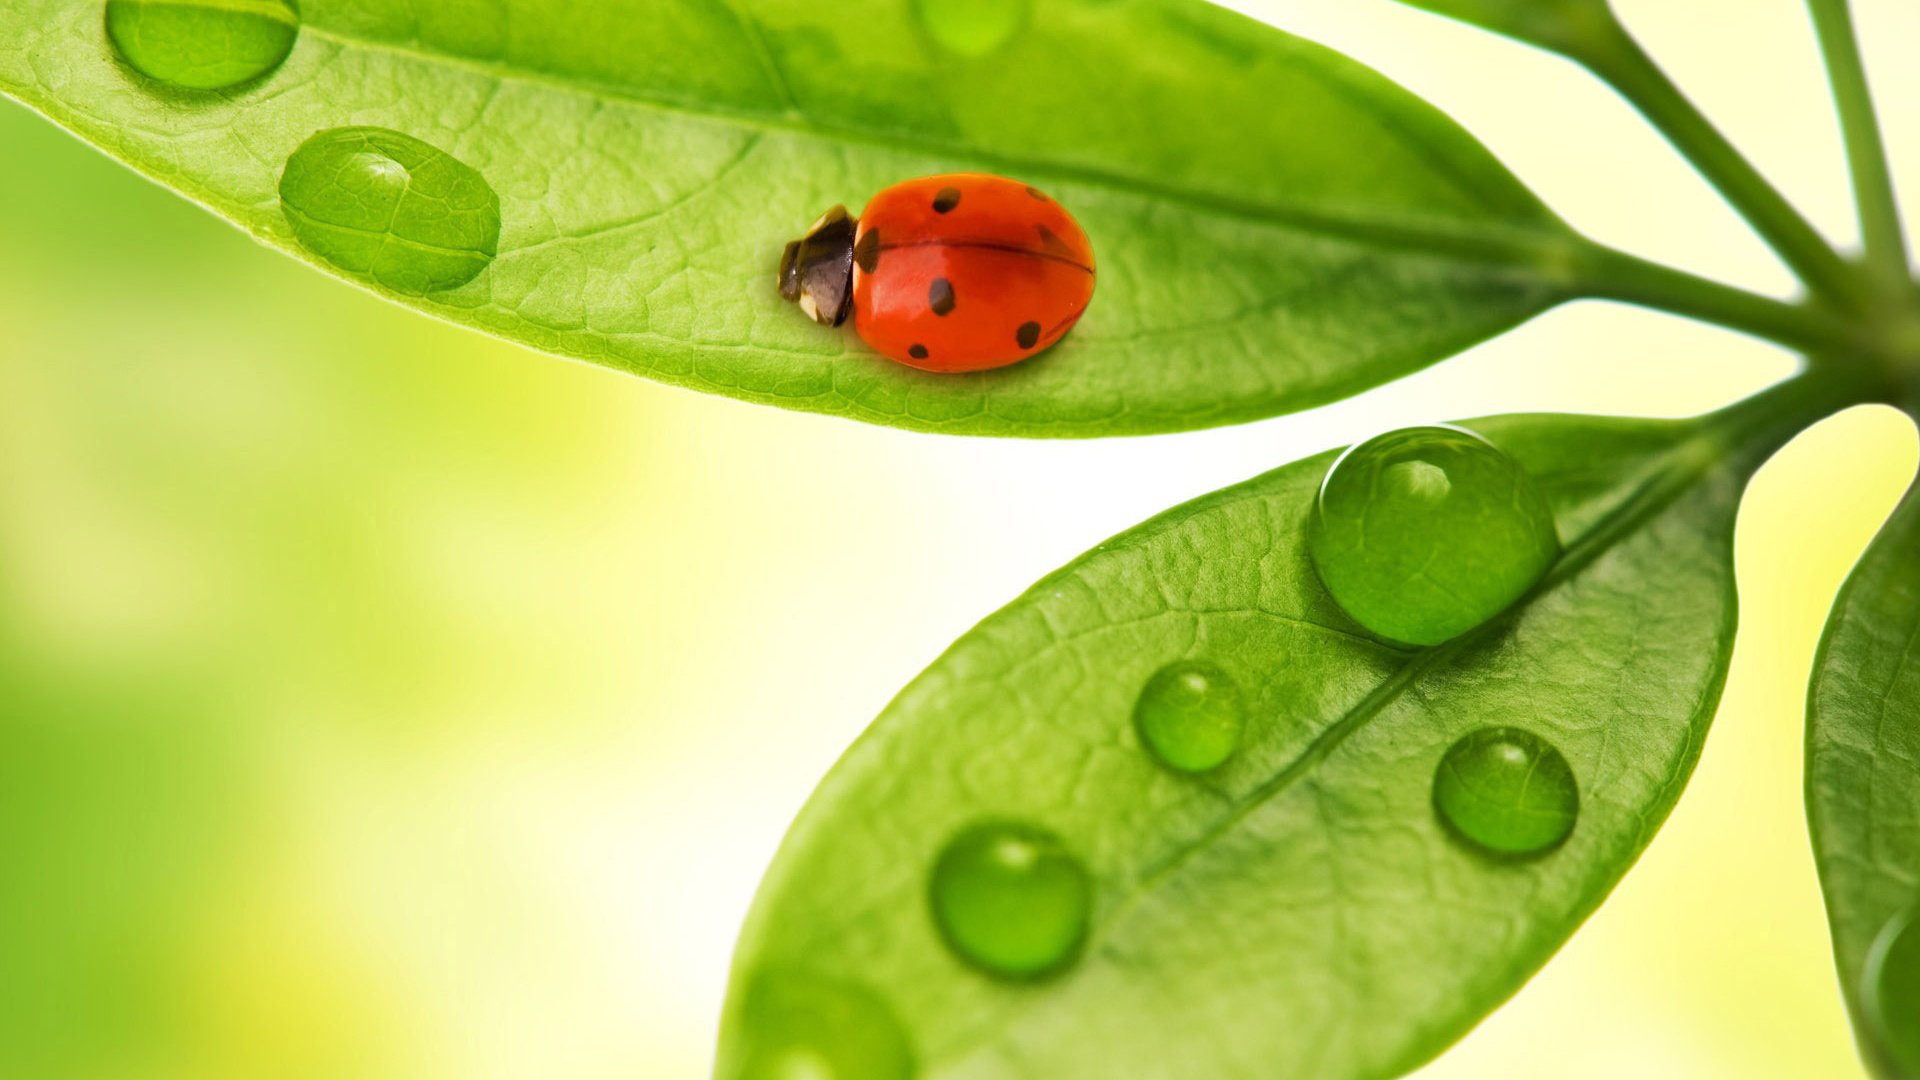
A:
x: 1549, y: 253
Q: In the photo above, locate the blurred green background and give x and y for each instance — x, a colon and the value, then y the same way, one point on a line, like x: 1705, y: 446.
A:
x: 380, y: 700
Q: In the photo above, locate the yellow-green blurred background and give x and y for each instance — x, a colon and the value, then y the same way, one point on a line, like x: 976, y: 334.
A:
x: 380, y: 700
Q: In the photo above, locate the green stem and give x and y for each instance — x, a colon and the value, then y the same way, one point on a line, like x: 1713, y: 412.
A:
x: 1754, y: 428
x: 1880, y: 227
x: 1612, y: 54
x: 1607, y: 274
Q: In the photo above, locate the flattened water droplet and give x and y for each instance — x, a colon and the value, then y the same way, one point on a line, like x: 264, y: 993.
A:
x: 392, y: 208
x: 1011, y: 900
x: 203, y: 44
x: 1190, y: 716
x: 801, y: 1027
x: 1425, y: 533
x: 972, y: 28
x: 1890, y: 988
x: 1507, y: 791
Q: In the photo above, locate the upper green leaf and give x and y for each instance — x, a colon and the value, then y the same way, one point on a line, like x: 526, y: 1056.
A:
x: 1276, y: 225
x: 1863, y: 790
x: 1301, y: 910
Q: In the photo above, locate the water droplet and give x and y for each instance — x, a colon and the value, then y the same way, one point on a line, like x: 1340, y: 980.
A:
x: 972, y: 28
x: 1425, y: 533
x: 1891, y: 989
x: 203, y: 44
x: 802, y: 1027
x: 392, y: 208
x: 1011, y: 900
x: 1190, y: 716
x: 1507, y: 791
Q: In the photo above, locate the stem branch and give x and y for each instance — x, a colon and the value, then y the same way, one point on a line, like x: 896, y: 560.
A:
x: 1610, y: 52
x: 1605, y: 273
x: 1880, y: 227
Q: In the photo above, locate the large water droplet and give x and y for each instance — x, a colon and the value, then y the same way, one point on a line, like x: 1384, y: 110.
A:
x: 1011, y: 900
x: 1425, y: 533
x: 1891, y: 989
x: 392, y: 208
x: 1190, y: 716
x: 972, y: 28
x: 1507, y: 791
x: 203, y: 44
x: 802, y: 1027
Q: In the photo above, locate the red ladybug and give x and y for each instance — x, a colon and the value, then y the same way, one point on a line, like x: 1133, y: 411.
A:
x: 947, y: 273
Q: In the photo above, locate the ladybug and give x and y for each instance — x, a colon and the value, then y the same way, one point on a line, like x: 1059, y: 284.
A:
x: 962, y: 272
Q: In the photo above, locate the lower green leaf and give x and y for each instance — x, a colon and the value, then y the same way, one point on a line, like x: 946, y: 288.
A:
x: 1863, y: 791
x: 1354, y: 850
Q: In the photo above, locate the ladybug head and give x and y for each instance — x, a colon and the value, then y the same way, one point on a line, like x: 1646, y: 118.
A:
x: 817, y: 270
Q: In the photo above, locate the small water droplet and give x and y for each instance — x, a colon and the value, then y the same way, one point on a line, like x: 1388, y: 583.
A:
x: 392, y: 208
x: 1425, y: 533
x: 1507, y: 791
x: 203, y: 44
x: 1011, y: 900
x: 802, y: 1027
x: 1190, y: 716
x: 1891, y: 989
x: 972, y: 28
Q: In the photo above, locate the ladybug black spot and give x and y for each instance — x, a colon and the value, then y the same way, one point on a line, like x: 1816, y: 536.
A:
x: 1028, y: 335
x: 1037, y: 193
x: 918, y: 352
x: 940, y: 296
x: 946, y: 199
x: 866, y: 253
x: 1052, y: 242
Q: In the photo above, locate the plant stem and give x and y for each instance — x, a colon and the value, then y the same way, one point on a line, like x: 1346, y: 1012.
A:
x: 1610, y: 52
x: 1607, y: 274
x: 1880, y: 227
x: 1759, y: 425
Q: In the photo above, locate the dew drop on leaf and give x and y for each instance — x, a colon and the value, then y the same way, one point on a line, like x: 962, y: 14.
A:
x: 203, y: 44
x: 1425, y: 533
x: 972, y: 28
x: 1190, y: 716
x: 1506, y: 791
x: 802, y: 1027
x: 1011, y: 900
x: 391, y: 208
x: 1891, y: 991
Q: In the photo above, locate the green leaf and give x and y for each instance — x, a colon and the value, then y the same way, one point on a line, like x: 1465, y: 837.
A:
x: 1299, y: 911
x: 1276, y: 225
x: 1863, y: 787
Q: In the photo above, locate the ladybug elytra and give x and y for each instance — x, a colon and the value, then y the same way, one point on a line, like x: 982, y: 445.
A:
x: 962, y: 272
